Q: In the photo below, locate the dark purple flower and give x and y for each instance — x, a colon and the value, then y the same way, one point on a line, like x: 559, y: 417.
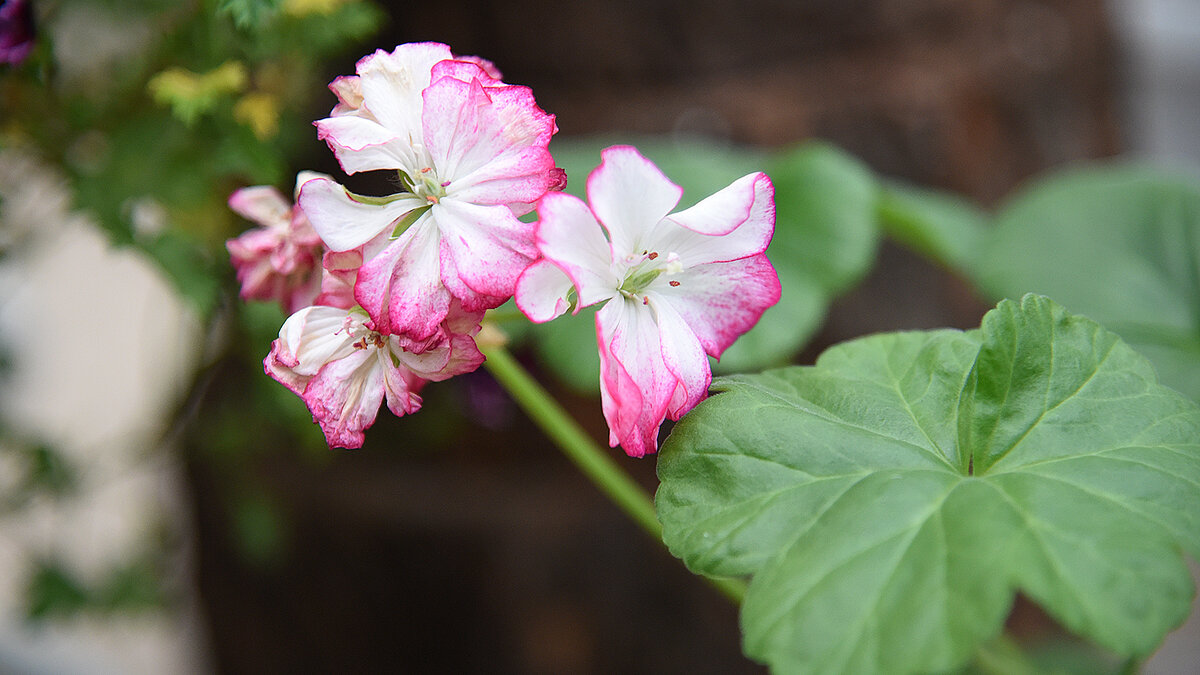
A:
x: 16, y: 30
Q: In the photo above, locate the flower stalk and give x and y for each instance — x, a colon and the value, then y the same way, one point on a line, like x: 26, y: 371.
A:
x: 575, y: 443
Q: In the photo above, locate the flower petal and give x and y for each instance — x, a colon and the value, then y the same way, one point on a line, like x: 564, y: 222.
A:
x: 339, y: 272
x: 344, y: 397
x: 344, y: 223
x: 314, y: 336
x: 636, y: 385
x: 721, y: 301
x: 542, y: 291
x: 401, y: 287
x: 683, y: 356
x: 391, y: 84
x: 263, y: 204
x: 361, y: 144
x: 734, y: 223
x: 488, y: 246
x: 629, y: 195
x: 400, y: 386
x: 489, y: 143
x: 568, y: 234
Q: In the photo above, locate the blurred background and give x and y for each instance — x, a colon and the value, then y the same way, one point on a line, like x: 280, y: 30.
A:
x: 166, y: 508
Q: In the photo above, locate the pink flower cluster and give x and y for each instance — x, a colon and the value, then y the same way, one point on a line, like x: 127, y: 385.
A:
x: 387, y: 293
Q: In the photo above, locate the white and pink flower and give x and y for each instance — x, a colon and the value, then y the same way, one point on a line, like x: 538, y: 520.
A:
x: 344, y: 369
x: 281, y: 259
x: 678, y: 286
x: 471, y: 154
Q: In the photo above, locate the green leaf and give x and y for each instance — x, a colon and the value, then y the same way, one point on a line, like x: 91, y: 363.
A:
x: 53, y: 591
x: 890, y: 500
x: 249, y: 13
x: 1120, y: 244
x: 940, y: 226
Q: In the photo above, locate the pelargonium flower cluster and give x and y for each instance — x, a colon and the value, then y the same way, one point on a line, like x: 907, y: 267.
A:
x: 404, y: 280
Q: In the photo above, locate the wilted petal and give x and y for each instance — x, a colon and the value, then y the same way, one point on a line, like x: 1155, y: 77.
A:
x: 344, y: 397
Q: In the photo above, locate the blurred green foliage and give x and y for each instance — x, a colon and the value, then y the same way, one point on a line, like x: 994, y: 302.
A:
x: 208, y: 96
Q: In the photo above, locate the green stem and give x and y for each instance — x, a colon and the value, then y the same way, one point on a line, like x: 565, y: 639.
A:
x: 574, y: 442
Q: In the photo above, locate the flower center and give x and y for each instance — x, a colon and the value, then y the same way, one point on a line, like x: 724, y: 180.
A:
x: 425, y: 184
x: 362, y: 335
x: 644, y: 268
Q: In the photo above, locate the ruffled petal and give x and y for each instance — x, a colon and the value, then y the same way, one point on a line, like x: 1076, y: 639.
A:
x: 721, y: 301
x: 401, y: 287
x: 361, y: 144
x: 488, y: 246
x: 466, y: 69
x: 339, y: 272
x: 315, y: 336
x: 542, y: 291
x: 391, y: 84
x: 489, y: 143
x: 263, y: 204
x: 348, y: 90
x: 636, y: 385
x: 400, y: 386
x: 734, y: 223
x: 568, y: 234
x: 279, y: 366
x: 345, y: 224
x: 629, y: 195
x: 344, y: 397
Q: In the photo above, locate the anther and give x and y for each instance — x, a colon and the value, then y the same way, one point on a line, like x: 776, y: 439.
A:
x: 427, y: 169
x: 673, y: 282
x: 432, y: 199
x: 653, y: 255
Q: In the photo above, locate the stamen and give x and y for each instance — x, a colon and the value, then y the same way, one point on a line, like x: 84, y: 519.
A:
x: 427, y: 169
x: 432, y: 199
x: 653, y: 255
x: 673, y: 282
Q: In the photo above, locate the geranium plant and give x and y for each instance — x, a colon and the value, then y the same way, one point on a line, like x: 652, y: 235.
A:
x: 877, y: 511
